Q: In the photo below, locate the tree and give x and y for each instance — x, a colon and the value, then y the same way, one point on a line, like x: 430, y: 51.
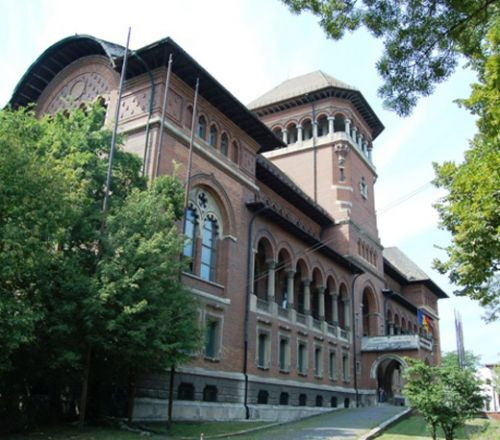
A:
x: 423, y: 39
x: 150, y: 317
x: 75, y: 294
x: 446, y: 396
x: 470, y: 209
x: 423, y: 42
x: 450, y: 359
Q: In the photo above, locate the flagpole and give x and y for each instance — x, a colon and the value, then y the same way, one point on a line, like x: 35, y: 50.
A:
x: 115, y: 129
x: 191, y: 141
x: 162, y: 122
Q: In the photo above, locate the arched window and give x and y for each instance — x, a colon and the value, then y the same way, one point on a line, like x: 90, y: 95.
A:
x: 212, y: 137
x: 307, y: 131
x: 292, y: 133
x: 224, y: 144
x: 322, y: 126
x: 185, y: 391
x: 262, y: 397
x: 278, y: 133
x: 190, y: 234
x: 302, y: 399
x: 339, y: 123
x: 202, y: 127
x: 210, y: 393
x: 284, y: 398
x: 319, y: 400
x: 208, y: 248
x: 203, y: 227
x: 235, y: 156
x: 333, y: 402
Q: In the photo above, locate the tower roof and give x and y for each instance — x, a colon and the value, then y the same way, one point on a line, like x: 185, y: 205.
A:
x: 310, y: 87
x: 300, y: 85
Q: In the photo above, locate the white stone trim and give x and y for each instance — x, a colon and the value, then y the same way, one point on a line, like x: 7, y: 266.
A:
x: 347, y: 188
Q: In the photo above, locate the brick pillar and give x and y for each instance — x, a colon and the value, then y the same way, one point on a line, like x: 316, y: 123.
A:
x: 307, y: 296
x: 271, y: 264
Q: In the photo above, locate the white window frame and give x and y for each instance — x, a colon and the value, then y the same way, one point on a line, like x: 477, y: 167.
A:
x: 306, y: 356
x: 213, y: 317
x: 318, y: 363
x: 332, y: 366
x: 267, y: 349
x: 286, y: 337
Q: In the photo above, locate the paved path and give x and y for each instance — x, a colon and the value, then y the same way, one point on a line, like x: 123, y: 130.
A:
x: 344, y: 424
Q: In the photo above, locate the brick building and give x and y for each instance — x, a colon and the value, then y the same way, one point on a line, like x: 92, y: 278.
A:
x: 303, y: 308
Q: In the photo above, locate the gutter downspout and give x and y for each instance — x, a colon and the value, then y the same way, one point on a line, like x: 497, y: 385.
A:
x: 354, y: 339
x: 247, y: 307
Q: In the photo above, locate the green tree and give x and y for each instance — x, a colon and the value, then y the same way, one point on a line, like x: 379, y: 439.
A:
x: 423, y: 40
x: 450, y: 359
x: 470, y: 210
x: 423, y: 43
x: 446, y: 396
x: 150, y: 317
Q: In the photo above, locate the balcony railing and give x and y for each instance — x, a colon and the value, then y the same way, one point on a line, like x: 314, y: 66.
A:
x: 282, y: 312
x: 395, y: 343
x: 343, y: 333
x: 262, y: 304
x: 332, y: 330
x: 301, y: 319
x: 317, y: 324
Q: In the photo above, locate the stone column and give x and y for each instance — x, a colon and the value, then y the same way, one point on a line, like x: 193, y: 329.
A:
x: 347, y: 312
x: 361, y: 142
x: 335, y: 311
x: 307, y: 296
x: 285, y: 135
x: 271, y: 264
x: 289, y: 287
x: 365, y: 146
x: 321, y: 299
x: 355, y: 135
x: 347, y: 123
x: 370, y: 152
x: 299, y: 133
x: 331, y: 120
x: 315, y: 129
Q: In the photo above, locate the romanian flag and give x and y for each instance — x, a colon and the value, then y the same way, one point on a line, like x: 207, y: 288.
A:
x: 424, y: 321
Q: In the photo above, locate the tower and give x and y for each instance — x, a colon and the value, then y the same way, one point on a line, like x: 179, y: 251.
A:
x: 329, y: 129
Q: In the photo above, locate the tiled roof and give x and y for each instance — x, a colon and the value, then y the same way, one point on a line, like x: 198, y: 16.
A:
x: 404, y: 264
x: 298, y: 86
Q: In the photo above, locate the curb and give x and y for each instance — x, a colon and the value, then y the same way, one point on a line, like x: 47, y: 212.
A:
x: 375, y: 432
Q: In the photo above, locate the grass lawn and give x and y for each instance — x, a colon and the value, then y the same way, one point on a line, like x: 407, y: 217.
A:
x: 178, y: 430
x: 414, y: 428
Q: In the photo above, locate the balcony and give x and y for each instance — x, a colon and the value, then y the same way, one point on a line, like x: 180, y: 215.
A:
x: 395, y: 343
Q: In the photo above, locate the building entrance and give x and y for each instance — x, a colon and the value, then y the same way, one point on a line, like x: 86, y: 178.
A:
x: 390, y: 381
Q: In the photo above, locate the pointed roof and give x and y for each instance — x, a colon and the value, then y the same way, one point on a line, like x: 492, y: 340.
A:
x: 397, y: 263
x: 300, y: 85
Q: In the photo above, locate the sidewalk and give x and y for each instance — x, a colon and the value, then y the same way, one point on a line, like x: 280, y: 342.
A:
x: 347, y: 424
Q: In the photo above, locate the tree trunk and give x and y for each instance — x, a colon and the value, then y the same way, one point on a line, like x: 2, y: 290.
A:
x: 131, y: 397
x: 85, y: 387
x: 170, y: 397
x: 433, y: 431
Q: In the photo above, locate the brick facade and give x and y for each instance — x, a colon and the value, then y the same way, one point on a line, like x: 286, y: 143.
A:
x: 307, y: 208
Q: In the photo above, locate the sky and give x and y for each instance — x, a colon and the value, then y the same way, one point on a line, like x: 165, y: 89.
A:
x: 250, y: 46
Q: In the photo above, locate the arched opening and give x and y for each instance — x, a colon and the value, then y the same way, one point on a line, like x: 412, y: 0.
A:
x: 261, y: 269
x: 331, y: 290
x: 343, y: 307
x: 201, y: 130
x: 291, y: 131
x: 284, y: 398
x: 333, y: 402
x: 235, y: 156
x: 403, y: 326
x: 388, y: 323
x: 397, y: 324
x: 210, y: 393
x: 339, y: 123
x: 262, y: 397
x: 302, y: 399
x: 224, y: 144
x: 299, y: 287
x: 307, y: 130
x: 390, y: 380
x: 322, y: 126
x: 278, y: 133
x: 319, y: 400
x: 212, y: 136
x: 281, y: 278
x: 317, y: 295
x: 185, y: 391
x: 188, y: 116
x: 369, y: 313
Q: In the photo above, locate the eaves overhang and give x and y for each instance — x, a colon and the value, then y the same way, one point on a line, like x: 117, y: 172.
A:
x: 400, y: 299
x: 143, y: 60
x: 394, y: 273
x: 354, y: 96
x: 274, y: 216
x: 55, y: 59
